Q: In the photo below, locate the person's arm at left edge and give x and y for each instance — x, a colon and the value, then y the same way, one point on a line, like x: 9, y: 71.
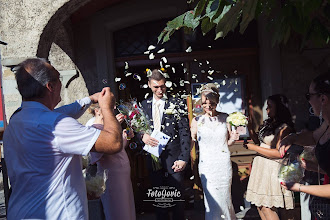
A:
x: 185, y: 139
x: 78, y: 108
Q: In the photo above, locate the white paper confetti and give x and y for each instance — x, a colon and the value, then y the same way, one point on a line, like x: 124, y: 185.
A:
x: 168, y: 84
x: 187, y: 82
x: 146, y: 95
x: 173, y: 69
x: 149, y: 73
x: 210, y: 78
x: 161, y: 51
x: 207, y: 62
x: 145, y: 86
x: 117, y: 79
x: 210, y: 72
x: 188, y: 50
x: 209, y: 46
x: 161, y: 64
x: 126, y: 65
x: 146, y: 52
x: 128, y: 74
x: 195, y: 60
x: 151, y: 47
x: 164, y: 60
x: 151, y: 56
x: 167, y: 66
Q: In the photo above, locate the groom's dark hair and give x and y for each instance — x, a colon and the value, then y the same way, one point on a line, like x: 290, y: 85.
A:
x: 157, y: 75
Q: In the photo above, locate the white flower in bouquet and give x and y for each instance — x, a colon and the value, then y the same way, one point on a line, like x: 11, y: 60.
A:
x: 237, y: 119
x: 291, y: 173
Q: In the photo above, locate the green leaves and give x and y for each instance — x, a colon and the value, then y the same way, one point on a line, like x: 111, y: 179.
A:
x: 248, y: 14
x: 307, y: 18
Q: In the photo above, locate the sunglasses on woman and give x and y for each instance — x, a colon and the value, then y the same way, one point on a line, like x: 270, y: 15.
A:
x: 309, y: 95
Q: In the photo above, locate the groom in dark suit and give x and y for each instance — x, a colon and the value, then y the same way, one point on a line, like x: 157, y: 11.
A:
x: 169, y: 115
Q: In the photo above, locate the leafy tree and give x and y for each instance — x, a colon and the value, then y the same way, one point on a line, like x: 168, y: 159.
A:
x: 306, y: 18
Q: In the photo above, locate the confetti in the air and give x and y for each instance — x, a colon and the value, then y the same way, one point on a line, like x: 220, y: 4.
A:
x: 128, y: 74
x: 207, y: 62
x: 167, y: 66
x: 149, y: 72
x: 161, y: 51
x: 137, y: 77
x: 173, y: 69
x: 168, y: 84
x: 161, y: 64
x: 146, y: 95
x: 117, y: 79
x: 146, y: 52
x: 210, y: 72
x: 151, y: 56
x: 164, y: 60
x: 151, y: 47
x: 126, y: 65
x: 188, y: 50
x: 209, y: 46
x: 210, y: 78
x: 145, y: 86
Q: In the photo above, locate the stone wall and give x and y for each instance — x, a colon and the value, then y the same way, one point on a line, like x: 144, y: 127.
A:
x: 39, y: 28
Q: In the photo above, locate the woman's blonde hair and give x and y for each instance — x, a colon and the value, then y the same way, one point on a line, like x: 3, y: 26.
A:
x: 92, y: 108
x: 211, y: 92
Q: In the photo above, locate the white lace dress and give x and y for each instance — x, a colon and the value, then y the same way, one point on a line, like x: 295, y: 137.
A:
x: 215, y: 167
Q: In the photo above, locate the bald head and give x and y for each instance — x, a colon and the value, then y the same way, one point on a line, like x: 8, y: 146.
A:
x: 32, y: 76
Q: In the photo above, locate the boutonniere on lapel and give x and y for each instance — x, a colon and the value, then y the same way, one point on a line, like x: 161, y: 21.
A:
x: 171, y: 109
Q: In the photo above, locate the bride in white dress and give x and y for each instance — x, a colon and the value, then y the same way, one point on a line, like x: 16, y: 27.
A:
x: 214, y: 135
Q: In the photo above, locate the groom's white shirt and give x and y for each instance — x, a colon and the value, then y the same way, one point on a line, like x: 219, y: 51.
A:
x: 161, y: 107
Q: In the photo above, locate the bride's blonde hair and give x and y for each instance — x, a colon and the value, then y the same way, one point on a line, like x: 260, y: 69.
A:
x: 211, y: 92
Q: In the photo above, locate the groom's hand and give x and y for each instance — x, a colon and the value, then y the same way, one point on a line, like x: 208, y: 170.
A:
x: 148, y: 140
x: 179, y: 165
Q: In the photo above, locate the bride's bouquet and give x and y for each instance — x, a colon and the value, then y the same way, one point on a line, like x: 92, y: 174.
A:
x: 135, y: 117
x: 237, y: 119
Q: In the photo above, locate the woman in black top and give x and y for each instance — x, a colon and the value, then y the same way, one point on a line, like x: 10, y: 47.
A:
x: 319, y: 98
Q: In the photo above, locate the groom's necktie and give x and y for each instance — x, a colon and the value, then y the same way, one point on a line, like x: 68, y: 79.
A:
x: 157, y: 116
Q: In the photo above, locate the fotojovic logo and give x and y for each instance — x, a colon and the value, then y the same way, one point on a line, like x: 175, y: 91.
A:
x: 163, y: 196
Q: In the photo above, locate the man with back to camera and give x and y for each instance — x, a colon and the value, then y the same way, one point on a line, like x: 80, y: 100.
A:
x: 43, y: 146
x: 176, y: 154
